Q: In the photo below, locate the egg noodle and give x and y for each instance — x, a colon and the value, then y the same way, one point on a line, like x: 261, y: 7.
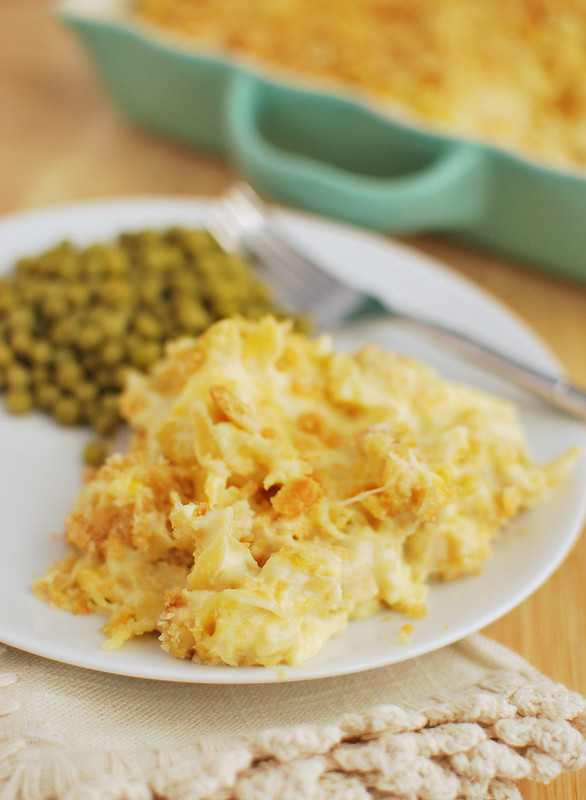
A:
x: 276, y: 489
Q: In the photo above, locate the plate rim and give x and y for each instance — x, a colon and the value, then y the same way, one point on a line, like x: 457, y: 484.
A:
x: 256, y: 675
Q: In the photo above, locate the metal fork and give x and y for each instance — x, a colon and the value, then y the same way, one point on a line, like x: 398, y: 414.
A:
x: 242, y: 222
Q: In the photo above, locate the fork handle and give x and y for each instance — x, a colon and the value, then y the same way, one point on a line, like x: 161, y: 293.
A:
x: 555, y: 390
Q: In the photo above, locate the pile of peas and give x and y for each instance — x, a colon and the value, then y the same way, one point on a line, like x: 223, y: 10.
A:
x: 73, y: 320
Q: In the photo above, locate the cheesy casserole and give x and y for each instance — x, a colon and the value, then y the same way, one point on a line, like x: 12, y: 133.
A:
x: 506, y: 71
x: 276, y: 489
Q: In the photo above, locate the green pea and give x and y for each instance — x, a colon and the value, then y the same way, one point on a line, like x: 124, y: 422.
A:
x: 21, y: 319
x: 144, y: 353
x: 104, y: 378
x: 105, y: 422
x: 63, y: 355
x: 41, y: 352
x: 67, y: 410
x: 67, y: 266
x: 85, y: 391
x: 47, y: 395
x: 5, y: 354
x: 147, y: 325
x: 17, y: 376
x: 117, y: 261
x: 151, y: 290
x: 39, y: 375
x: 113, y: 353
x: 119, y: 375
x: 90, y: 337
x: 68, y: 374
x: 54, y: 306
x: 95, y: 452
x: 19, y: 401
x: 115, y: 292
x: 192, y: 316
x: 78, y: 294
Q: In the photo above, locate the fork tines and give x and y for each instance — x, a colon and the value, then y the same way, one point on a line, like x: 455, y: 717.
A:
x: 241, y: 222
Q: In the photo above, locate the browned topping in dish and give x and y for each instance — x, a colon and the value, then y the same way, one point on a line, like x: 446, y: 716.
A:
x: 510, y: 71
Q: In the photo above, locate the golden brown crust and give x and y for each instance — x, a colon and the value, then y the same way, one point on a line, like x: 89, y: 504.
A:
x: 233, y: 407
x: 297, y: 496
x: 277, y: 489
x: 506, y: 71
x: 128, y: 500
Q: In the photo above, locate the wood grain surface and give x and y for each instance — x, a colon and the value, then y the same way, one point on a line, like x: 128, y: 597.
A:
x: 62, y: 140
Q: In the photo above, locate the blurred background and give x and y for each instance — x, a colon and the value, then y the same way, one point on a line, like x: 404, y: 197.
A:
x: 62, y: 140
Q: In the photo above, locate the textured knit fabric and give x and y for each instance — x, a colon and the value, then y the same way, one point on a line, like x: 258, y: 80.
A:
x: 467, y: 721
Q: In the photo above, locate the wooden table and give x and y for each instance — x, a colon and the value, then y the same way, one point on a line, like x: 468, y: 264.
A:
x: 61, y: 140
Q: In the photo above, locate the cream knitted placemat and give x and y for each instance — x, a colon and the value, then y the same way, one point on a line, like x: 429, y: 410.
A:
x: 465, y: 722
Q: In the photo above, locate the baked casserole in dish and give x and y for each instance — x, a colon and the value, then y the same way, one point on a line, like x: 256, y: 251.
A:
x: 459, y: 117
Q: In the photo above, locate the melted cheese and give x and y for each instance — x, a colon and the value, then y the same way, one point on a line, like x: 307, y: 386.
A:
x: 276, y: 489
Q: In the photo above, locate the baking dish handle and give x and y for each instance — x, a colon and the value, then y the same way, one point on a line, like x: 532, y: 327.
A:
x: 445, y: 191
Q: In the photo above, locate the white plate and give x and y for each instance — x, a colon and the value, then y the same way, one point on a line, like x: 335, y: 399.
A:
x: 40, y: 463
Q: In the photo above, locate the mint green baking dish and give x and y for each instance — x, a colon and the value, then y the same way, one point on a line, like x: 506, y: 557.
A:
x: 332, y: 154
